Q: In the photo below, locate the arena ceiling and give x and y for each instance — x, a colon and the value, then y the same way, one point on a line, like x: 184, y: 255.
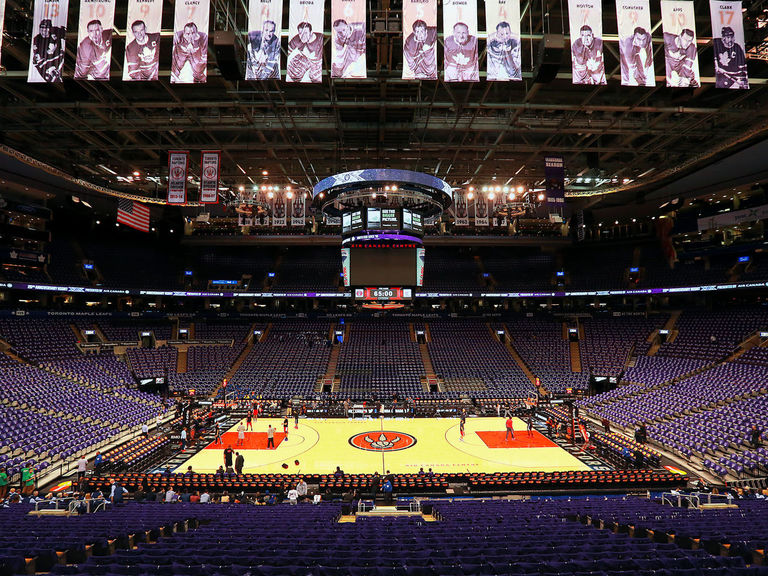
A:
x: 637, y: 140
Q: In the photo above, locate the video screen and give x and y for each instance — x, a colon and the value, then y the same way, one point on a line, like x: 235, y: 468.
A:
x: 389, y: 219
x: 382, y: 267
x: 374, y: 218
x: 356, y: 220
x: 346, y: 223
x: 407, y: 219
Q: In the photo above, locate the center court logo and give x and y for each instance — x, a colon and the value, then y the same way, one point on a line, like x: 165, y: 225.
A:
x: 382, y: 441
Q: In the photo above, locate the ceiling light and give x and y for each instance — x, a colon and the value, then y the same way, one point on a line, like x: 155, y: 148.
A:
x: 491, y: 196
x: 541, y: 197
x: 270, y: 195
x: 241, y: 188
x: 289, y: 194
x: 264, y: 173
x: 470, y: 196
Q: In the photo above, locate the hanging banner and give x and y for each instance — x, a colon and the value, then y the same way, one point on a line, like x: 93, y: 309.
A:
x: 46, y: 54
x: 264, y: 20
x: 460, y: 213
x: 177, y: 177
x: 94, y: 39
x: 2, y: 19
x: 420, y: 39
x: 728, y: 44
x: 635, y: 46
x: 298, y: 209
x: 460, y: 44
x: 189, y: 60
x: 481, y: 210
x: 554, y: 181
x: 305, y: 44
x: 682, y: 64
x: 209, y: 176
x: 278, y: 209
x: 348, y: 48
x: 586, y: 28
x: 502, y: 21
x: 142, y: 40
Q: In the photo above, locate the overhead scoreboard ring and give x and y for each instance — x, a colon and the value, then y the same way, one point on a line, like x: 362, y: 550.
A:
x: 428, y: 195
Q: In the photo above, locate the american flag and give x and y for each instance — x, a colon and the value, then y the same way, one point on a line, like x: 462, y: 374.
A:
x: 133, y: 214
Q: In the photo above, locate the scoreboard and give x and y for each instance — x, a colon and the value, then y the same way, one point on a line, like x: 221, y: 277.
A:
x: 383, y: 294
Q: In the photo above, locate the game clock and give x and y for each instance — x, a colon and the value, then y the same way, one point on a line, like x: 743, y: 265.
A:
x: 383, y: 293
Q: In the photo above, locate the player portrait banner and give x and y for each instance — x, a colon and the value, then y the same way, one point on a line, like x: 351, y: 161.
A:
x: 635, y: 46
x: 210, y: 162
x: 49, y: 32
x: 481, y: 210
x: 502, y: 21
x: 189, y: 60
x: 264, y: 20
x: 460, y: 41
x: 2, y: 20
x: 681, y: 60
x: 420, y: 39
x: 460, y: 212
x: 94, y: 39
x: 305, y: 42
x: 278, y: 209
x: 554, y: 178
x: 348, y: 18
x: 142, y: 40
x: 728, y: 45
x: 586, y: 28
x: 177, y: 177
x: 297, y: 209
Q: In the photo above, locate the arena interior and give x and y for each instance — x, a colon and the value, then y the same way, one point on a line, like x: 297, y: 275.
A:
x: 451, y: 326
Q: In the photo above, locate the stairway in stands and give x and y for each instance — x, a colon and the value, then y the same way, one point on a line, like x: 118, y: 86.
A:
x: 514, y: 353
x: 244, y: 354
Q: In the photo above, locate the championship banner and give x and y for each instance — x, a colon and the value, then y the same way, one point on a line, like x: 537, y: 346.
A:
x: 297, y: 209
x: 189, y: 60
x: 49, y: 29
x: 635, y: 46
x: 502, y: 21
x: 460, y: 41
x: 177, y: 177
x: 682, y: 63
x: 728, y: 45
x: 481, y: 210
x: 348, y: 48
x: 586, y: 28
x: 554, y: 178
x: 209, y: 176
x: 264, y: 20
x: 460, y: 212
x: 420, y: 39
x: 305, y: 44
x: 94, y: 39
x: 2, y: 18
x: 278, y: 209
x: 142, y: 40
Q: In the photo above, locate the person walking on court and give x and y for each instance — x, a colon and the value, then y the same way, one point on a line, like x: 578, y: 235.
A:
x: 296, y: 418
x: 461, y: 427
x: 249, y: 421
x: 228, y: 459
x: 270, y: 437
x: 285, y: 428
x: 217, y: 439
x: 239, y: 463
x: 510, y: 429
x: 240, y: 435
x: 529, y: 424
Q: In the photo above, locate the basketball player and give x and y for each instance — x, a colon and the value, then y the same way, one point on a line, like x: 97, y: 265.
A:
x: 510, y: 429
x: 285, y: 428
x: 461, y: 427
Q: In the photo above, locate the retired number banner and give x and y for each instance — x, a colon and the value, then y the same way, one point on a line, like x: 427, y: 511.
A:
x: 635, y: 46
x: 209, y: 176
x: 49, y: 33
x: 586, y: 29
x: 94, y: 39
x: 305, y: 42
x: 189, y: 60
x: 142, y: 40
x: 278, y: 209
x: 420, y: 39
x: 348, y: 19
x: 264, y: 20
x: 2, y: 17
x: 728, y: 44
x: 502, y: 21
x: 460, y: 213
x: 297, y: 209
x: 681, y: 61
x: 460, y: 41
x: 177, y: 177
x: 481, y: 210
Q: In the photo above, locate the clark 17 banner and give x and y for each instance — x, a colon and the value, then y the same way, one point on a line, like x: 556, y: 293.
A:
x: 94, y: 39
x: 305, y: 42
x: 635, y: 46
x: 728, y: 45
x: 681, y: 59
x: 177, y: 177
x: 209, y: 176
x: 586, y: 28
x: 189, y: 59
x: 142, y: 40
x: 348, y: 47
x: 502, y: 21
x: 49, y: 34
x: 420, y: 39
x: 460, y: 44
x: 264, y: 21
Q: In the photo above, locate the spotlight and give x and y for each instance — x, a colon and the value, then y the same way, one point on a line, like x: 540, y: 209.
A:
x: 511, y: 195
x: 520, y: 189
x: 289, y: 194
x: 270, y: 195
x: 471, y: 188
x: 491, y: 196
x: 241, y: 188
x: 540, y: 197
x: 471, y: 195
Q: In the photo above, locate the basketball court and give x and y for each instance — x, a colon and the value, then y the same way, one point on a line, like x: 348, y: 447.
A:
x: 398, y: 445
